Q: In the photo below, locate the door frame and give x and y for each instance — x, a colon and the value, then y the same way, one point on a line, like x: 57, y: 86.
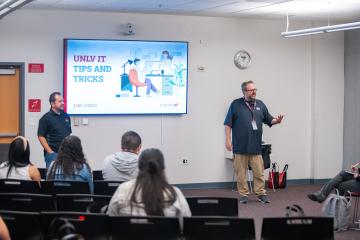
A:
x: 21, y: 66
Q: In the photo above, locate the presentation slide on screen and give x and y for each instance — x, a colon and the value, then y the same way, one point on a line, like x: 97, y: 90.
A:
x: 125, y: 77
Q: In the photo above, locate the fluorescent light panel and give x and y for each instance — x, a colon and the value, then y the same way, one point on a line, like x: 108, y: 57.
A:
x: 325, y: 29
x: 5, y: 10
x: 11, y: 5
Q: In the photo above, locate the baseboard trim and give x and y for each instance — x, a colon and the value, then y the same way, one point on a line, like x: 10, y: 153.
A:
x: 230, y: 184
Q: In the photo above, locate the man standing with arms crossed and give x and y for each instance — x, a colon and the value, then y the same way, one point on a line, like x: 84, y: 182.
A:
x: 54, y: 126
x: 244, y: 120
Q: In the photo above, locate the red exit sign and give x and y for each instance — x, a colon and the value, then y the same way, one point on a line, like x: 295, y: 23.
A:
x: 36, y: 67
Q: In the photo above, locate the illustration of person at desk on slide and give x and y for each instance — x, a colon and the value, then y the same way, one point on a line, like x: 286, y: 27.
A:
x: 134, y: 80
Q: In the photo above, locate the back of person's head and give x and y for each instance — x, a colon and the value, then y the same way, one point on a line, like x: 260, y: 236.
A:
x: 19, y: 153
x: 70, y: 157
x: 130, y: 142
x: 151, y: 183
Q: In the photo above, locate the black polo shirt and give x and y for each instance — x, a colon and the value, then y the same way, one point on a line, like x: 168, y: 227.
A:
x: 245, y: 139
x: 54, y: 127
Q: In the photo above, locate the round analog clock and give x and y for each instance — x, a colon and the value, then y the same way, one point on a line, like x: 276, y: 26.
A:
x: 242, y: 59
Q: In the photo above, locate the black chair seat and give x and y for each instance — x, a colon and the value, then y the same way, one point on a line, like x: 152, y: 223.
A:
x: 65, y: 187
x: 23, y: 225
x: 90, y: 225
x: 320, y: 228
x: 106, y: 187
x: 19, y: 186
x: 26, y: 202
x: 149, y: 228
x: 213, y: 206
x: 97, y: 175
x: 81, y: 202
x: 213, y: 228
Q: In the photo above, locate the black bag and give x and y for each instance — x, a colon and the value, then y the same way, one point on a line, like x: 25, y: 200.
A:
x: 265, y: 152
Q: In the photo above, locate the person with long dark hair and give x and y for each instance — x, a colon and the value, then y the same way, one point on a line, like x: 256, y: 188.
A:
x: 70, y: 163
x: 150, y: 194
x: 18, y: 165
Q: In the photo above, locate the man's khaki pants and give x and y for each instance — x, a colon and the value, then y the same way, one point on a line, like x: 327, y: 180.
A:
x: 241, y: 163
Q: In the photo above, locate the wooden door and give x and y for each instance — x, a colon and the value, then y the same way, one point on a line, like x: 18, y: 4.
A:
x: 9, y: 108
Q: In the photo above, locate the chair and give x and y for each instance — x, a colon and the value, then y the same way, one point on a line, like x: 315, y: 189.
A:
x: 106, y: 187
x: 97, y: 175
x: 228, y: 228
x: 19, y: 186
x: 356, y: 220
x: 213, y: 206
x: 80, y: 202
x: 43, y: 172
x: 149, y: 228
x: 26, y: 202
x: 65, y: 187
x: 133, y: 77
x: 91, y: 226
x: 23, y: 225
x: 320, y: 228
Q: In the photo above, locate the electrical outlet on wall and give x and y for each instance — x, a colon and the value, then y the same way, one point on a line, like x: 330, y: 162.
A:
x: 185, y: 161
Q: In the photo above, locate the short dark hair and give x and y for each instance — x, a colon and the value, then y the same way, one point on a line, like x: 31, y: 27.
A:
x: 130, y: 141
x: 244, y: 84
x: 52, y: 96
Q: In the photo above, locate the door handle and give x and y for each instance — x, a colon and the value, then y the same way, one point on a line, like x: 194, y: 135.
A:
x: 6, y: 135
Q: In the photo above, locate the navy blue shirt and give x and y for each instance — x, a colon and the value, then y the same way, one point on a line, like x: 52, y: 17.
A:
x: 245, y: 139
x: 54, y: 127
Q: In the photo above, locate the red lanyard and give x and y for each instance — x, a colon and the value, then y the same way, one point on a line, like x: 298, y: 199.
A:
x: 251, y: 109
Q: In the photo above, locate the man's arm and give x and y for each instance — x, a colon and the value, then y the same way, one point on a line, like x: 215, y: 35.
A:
x: 228, y: 143
x: 45, y: 144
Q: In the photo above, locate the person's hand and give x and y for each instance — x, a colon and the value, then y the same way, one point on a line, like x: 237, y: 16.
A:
x: 228, y: 145
x: 356, y: 175
x: 278, y: 119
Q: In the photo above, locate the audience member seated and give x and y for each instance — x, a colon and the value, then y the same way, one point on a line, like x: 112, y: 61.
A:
x: 70, y: 163
x: 4, y: 232
x: 18, y: 165
x: 344, y: 181
x: 123, y: 166
x: 150, y: 194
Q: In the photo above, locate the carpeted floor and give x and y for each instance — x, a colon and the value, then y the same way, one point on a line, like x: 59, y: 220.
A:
x: 295, y: 194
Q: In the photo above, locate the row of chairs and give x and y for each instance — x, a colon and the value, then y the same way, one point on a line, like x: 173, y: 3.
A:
x: 97, y: 174
x: 58, y: 187
x: 27, y: 225
x: 200, y: 206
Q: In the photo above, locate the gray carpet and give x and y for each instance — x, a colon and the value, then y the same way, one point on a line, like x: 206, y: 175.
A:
x: 279, y: 200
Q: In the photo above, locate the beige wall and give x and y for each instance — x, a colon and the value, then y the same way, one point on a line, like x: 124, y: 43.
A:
x: 298, y: 77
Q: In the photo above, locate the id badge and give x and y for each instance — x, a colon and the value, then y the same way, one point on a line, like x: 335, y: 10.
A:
x: 254, y: 126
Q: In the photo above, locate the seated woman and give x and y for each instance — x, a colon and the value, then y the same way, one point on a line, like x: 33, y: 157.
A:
x: 344, y: 181
x: 70, y: 163
x: 18, y: 165
x: 150, y: 194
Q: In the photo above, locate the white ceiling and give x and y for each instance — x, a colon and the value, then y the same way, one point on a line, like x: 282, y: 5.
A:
x: 336, y: 10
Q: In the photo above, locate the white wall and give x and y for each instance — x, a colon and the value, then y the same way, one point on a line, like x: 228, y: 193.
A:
x: 292, y: 75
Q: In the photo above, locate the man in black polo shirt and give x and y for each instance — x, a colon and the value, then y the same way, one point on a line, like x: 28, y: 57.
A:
x: 54, y: 126
x: 244, y: 120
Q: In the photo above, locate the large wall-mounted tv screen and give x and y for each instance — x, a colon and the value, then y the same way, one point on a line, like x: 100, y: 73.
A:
x: 125, y: 77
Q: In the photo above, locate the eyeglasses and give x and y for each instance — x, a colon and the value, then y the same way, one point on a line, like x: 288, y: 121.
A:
x: 252, y: 90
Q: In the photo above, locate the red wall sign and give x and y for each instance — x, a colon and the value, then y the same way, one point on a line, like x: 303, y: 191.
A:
x: 36, y: 67
x: 34, y: 105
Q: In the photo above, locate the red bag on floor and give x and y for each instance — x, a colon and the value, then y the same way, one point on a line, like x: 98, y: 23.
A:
x: 277, y: 179
x: 283, y: 177
x: 273, y: 181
